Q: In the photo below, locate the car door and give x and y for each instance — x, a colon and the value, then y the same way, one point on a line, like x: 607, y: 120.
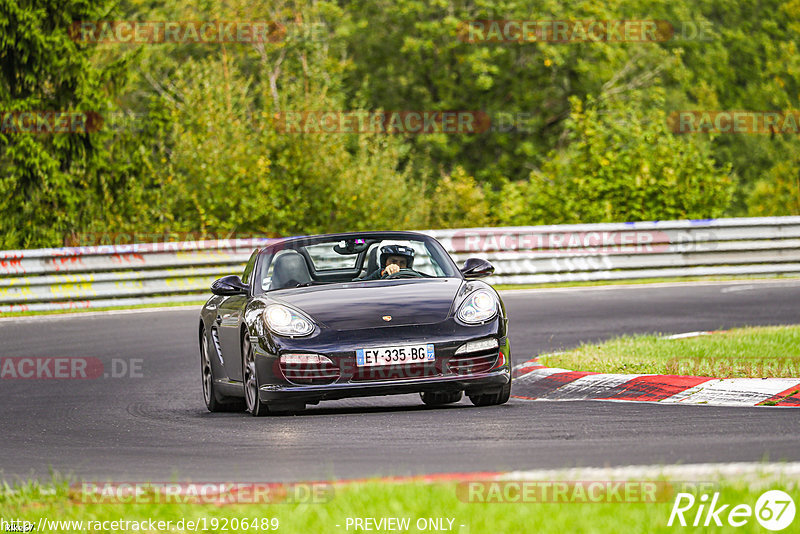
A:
x: 230, y: 315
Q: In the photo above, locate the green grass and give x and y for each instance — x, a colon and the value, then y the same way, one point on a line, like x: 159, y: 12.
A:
x: 641, y: 281
x: 745, y: 352
x: 412, y: 500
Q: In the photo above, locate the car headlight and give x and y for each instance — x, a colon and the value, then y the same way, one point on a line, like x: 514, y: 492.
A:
x: 287, y: 322
x: 478, y: 308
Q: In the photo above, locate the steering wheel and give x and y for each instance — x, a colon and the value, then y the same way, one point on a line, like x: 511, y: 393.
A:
x: 404, y: 273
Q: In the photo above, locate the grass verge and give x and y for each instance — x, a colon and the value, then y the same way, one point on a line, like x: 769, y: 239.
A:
x: 415, y: 501
x: 756, y: 352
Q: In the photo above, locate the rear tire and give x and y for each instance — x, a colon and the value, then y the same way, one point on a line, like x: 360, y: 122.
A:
x: 439, y: 398
x: 492, y: 399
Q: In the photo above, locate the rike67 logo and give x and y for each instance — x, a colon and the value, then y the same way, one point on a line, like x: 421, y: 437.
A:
x: 774, y: 510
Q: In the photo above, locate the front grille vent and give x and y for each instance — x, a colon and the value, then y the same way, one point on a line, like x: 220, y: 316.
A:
x: 310, y: 374
x: 478, y: 362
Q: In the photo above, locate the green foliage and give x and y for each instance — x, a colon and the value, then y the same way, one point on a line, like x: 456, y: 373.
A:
x: 458, y: 202
x: 420, y: 60
x: 749, y: 60
x: 778, y: 192
x: 619, y: 166
x: 231, y: 169
x: 42, y: 178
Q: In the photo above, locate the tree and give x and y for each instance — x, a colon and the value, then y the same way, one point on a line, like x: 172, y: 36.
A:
x: 778, y: 191
x: 619, y: 165
x: 458, y: 202
x: 231, y: 168
x: 42, y: 175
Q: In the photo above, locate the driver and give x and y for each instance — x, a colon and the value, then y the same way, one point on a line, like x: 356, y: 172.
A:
x: 393, y: 258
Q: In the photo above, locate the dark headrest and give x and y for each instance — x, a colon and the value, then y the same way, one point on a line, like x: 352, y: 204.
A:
x: 372, y: 260
x: 290, y: 270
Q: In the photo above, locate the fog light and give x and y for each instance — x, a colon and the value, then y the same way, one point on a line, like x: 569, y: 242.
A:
x: 294, y: 359
x: 478, y: 346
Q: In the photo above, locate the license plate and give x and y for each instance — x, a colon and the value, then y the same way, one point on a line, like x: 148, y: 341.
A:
x: 395, y: 355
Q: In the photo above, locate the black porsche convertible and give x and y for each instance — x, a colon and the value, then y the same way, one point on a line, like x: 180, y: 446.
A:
x: 347, y: 315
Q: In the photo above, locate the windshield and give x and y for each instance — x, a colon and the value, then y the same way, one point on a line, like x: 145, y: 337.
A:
x: 365, y: 258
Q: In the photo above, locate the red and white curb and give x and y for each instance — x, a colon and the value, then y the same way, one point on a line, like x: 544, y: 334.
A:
x: 534, y: 381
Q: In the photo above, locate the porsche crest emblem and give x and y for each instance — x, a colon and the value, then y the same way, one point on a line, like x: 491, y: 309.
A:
x: 387, y: 318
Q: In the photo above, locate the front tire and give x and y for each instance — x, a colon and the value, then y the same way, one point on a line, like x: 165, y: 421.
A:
x: 440, y: 398
x: 252, y: 399
x: 492, y: 399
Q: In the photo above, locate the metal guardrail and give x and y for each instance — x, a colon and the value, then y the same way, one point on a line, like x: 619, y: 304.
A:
x: 154, y: 273
x: 117, y: 275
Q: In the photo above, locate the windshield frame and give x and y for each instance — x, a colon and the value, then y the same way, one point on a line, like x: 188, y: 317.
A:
x: 267, y: 254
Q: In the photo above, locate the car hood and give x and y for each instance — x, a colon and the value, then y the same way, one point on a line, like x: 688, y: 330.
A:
x: 357, y: 305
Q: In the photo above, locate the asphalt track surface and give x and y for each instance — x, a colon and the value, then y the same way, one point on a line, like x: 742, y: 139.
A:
x: 155, y: 426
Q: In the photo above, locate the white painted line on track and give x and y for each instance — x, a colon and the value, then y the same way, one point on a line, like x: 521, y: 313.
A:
x: 733, y: 289
x: 685, y: 335
x: 64, y: 316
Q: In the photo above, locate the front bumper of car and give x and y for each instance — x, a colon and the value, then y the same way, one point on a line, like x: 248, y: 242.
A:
x: 488, y: 382
x: 476, y: 372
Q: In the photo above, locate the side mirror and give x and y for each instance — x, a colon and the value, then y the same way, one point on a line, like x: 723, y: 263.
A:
x: 229, y: 285
x: 476, y: 268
